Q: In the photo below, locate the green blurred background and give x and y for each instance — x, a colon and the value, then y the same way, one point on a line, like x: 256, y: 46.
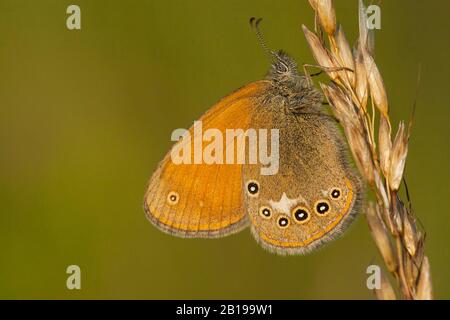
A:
x: 86, y: 115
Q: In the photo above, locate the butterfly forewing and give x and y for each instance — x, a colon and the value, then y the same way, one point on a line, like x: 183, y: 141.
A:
x: 204, y: 200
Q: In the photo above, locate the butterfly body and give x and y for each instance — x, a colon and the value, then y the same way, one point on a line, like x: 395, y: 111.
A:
x: 313, y: 196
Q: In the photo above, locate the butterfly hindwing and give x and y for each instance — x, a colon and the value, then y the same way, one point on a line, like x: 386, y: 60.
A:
x: 315, y: 193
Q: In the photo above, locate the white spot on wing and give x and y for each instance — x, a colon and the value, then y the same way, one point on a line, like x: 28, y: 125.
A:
x: 284, y: 205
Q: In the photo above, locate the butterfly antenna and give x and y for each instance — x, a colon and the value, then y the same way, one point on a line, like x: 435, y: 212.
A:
x: 254, y: 23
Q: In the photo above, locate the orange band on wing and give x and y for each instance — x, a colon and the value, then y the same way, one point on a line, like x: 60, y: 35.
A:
x: 318, y: 235
x: 201, y: 227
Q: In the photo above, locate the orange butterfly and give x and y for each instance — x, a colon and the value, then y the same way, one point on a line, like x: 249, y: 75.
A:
x: 312, y: 197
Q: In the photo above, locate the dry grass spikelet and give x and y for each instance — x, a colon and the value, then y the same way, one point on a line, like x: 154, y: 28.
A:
x: 357, y: 96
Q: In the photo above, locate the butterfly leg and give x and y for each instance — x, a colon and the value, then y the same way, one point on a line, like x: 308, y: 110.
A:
x: 323, y: 68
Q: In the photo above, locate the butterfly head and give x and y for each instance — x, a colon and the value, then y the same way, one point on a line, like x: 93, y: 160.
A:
x: 283, y: 68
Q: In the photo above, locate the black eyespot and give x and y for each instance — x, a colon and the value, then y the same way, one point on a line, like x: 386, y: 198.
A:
x: 253, y: 187
x: 322, y: 207
x: 265, y: 212
x: 335, y: 193
x: 283, y: 222
x: 301, y: 215
x: 172, y: 197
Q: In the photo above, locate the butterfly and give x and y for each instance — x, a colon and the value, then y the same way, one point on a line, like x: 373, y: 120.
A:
x: 311, y: 199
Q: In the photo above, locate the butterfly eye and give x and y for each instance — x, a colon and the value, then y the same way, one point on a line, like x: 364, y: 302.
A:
x: 265, y: 212
x: 253, y: 188
x: 282, y: 67
x: 335, y: 193
x: 173, y: 197
x: 322, y: 207
x: 301, y: 215
x: 283, y: 222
